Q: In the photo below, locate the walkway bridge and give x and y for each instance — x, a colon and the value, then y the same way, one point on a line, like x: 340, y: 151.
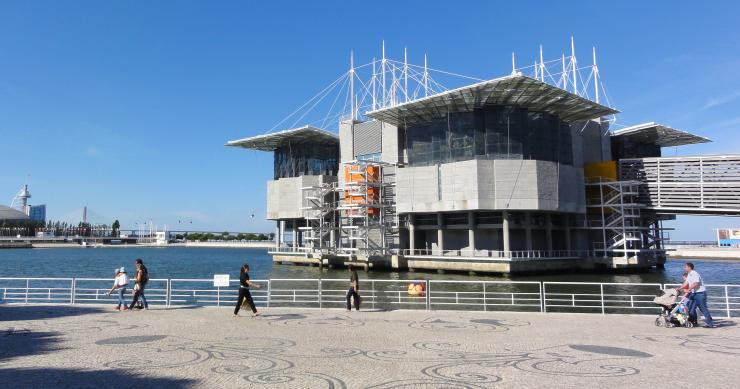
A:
x: 702, y: 185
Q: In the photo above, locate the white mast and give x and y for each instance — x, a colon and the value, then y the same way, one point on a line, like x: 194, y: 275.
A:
x: 382, y: 72
x: 542, y: 66
x: 596, y: 77
x: 564, y: 74
x: 373, y: 82
x: 513, y: 63
x: 405, y: 75
x: 574, y: 64
x: 426, y: 76
x: 352, y: 82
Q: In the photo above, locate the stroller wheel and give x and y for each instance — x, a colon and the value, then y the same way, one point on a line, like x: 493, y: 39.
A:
x: 689, y: 324
x: 659, y: 321
x: 669, y: 324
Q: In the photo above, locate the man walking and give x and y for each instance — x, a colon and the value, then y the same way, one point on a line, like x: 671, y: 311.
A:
x: 142, y: 277
x: 697, y: 294
x: 354, y: 287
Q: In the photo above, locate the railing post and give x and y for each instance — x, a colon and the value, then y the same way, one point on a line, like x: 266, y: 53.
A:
x: 73, y: 291
x: 485, y: 304
x: 372, y: 290
x: 218, y: 296
x: 269, y: 292
x: 727, y: 302
x: 320, y: 304
x: 543, y: 296
x: 603, y: 309
x: 27, y: 283
x: 429, y: 295
x: 168, y: 293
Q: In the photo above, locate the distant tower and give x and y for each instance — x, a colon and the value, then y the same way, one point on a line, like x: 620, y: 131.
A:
x: 84, y: 214
x: 20, y: 201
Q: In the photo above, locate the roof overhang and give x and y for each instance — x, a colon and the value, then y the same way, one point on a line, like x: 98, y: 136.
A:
x: 515, y: 90
x: 270, y: 142
x: 659, y: 135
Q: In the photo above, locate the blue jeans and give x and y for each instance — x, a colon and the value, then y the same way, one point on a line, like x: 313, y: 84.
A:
x: 699, y: 300
x: 121, y: 301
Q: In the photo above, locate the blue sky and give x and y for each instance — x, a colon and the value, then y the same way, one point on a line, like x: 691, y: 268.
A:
x: 125, y: 107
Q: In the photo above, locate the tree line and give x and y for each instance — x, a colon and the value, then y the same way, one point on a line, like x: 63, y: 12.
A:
x: 206, y: 236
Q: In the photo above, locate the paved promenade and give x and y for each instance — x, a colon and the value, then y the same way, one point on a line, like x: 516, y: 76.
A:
x: 93, y: 347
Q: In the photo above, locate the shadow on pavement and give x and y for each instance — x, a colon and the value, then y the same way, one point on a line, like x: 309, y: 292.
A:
x: 74, y: 378
x: 16, y: 343
x: 41, y: 312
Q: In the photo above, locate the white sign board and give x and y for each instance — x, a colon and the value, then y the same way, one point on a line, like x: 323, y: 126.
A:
x: 221, y: 280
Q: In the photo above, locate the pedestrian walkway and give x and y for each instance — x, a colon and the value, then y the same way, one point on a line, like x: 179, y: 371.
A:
x: 63, y: 347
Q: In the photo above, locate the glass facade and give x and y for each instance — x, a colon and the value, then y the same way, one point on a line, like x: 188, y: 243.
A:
x: 306, y: 158
x: 491, y: 132
x: 37, y: 213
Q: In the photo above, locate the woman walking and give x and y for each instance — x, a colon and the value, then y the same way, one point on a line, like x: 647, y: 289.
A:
x: 244, y: 294
x: 120, y: 283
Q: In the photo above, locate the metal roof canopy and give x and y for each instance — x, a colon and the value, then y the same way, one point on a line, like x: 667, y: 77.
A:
x: 659, y: 135
x: 515, y: 90
x: 270, y: 142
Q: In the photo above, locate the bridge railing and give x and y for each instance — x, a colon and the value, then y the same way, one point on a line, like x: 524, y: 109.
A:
x: 386, y: 294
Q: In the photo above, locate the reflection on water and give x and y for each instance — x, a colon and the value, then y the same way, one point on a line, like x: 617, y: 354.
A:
x: 179, y: 262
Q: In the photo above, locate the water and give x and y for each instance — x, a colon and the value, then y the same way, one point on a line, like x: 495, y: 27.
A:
x: 181, y: 262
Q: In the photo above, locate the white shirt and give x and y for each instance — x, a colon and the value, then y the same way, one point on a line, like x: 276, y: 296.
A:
x: 122, y: 280
x: 693, y: 278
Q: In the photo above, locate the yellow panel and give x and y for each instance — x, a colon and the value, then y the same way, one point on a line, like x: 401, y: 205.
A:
x: 604, y: 169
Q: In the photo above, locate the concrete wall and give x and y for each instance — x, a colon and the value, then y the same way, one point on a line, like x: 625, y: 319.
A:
x: 285, y: 198
x: 490, y: 185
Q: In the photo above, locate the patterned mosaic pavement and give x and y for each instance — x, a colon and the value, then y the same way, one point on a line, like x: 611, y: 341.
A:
x: 288, y: 348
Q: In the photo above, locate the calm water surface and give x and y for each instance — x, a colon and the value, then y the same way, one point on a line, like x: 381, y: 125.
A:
x: 181, y: 262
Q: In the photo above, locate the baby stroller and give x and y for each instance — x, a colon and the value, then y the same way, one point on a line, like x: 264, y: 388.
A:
x: 674, y: 312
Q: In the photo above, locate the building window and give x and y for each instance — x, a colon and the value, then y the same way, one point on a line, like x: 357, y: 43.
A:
x: 295, y: 160
x: 492, y: 132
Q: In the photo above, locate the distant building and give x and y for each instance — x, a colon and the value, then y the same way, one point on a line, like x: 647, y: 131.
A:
x: 37, y: 213
x: 11, y: 214
x: 728, y: 237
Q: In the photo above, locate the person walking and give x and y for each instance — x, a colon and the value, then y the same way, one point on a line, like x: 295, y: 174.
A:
x: 119, y: 284
x: 354, y: 288
x: 244, y: 294
x: 142, y: 277
x: 697, y: 294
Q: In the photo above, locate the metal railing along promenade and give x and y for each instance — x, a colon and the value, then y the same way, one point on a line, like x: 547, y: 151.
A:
x: 518, y: 296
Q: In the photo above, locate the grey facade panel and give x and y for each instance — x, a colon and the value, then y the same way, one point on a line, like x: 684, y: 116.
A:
x: 491, y: 185
x: 367, y: 138
x: 285, y: 197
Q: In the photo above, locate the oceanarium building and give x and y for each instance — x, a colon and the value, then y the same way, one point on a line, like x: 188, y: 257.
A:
x: 505, y: 175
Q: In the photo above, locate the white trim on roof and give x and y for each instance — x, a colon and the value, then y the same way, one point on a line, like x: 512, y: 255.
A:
x: 271, y: 141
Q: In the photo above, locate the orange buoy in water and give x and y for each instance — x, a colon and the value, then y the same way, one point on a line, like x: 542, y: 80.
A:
x: 416, y: 289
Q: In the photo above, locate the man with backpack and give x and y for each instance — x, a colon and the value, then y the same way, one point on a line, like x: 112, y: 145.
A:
x: 142, y: 277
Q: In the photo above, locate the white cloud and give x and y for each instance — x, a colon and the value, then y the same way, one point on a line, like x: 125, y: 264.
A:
x: 715, y: 101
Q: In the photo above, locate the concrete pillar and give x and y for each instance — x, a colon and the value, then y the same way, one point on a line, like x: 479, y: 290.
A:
x: 528, y: 230
x: 440, y: 233
x: 548, y: 227
x: 505, y: 228
x: 471, y: 231
x: 295, y: 233
x: 282, y: 232
x: 412, y: 234
x: 277, y: 235
x: 566, y: 223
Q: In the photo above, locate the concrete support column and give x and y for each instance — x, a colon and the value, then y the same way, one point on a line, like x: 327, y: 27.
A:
x: 295, y: 234
x: 277, y: 235
x: 412, y: 234
x: 281, y: 236
x: 440, y: 233
x: 505, y: 228
x: 548, y: 227
x: 471, y: 231
x: 567, y: 231
x: 528, y: 230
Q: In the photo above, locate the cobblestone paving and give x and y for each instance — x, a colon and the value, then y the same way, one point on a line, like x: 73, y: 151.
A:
x: 42, y: 346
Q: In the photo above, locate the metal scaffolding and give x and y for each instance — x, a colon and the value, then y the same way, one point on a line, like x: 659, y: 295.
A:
x: 615, y: 212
